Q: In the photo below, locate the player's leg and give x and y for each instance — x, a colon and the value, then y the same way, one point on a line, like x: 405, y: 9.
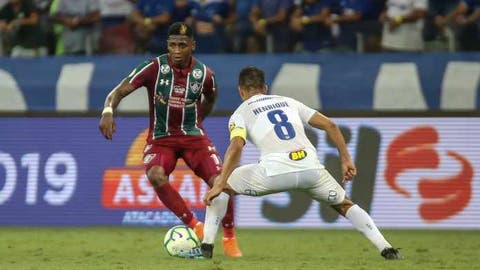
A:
x: 206, y: 164
x: 362, y: 221
x: 245, y: 180
x: 327, y: 189
x: 213, y: 214
x: 159, y: 162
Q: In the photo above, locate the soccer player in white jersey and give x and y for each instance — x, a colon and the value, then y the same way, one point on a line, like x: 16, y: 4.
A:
x: 288, y: 161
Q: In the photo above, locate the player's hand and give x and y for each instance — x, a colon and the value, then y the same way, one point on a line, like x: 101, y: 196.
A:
x: 12, y: 25
x: 260, y: 29
x: 72, y: 23
x: 328, y: 22
x: 461, y: 20
x: 107, y: 126
x: 393, y: 24
x: 212, y: 194
x: 296, y: 24
x: 348, y: 170
x: 440, y: 21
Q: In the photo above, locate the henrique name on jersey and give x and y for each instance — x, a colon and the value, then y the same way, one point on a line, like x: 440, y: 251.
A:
x: 269, y: 107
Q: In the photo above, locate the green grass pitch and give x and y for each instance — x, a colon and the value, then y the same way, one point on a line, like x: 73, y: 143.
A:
x: 142, y: 248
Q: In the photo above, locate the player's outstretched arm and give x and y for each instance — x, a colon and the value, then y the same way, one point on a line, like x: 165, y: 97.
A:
x: 231, y: 160
x: 107, y: 123
x: 320, y: 121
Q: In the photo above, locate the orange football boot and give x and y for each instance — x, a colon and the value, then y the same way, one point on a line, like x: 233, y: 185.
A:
x: 230, y: 247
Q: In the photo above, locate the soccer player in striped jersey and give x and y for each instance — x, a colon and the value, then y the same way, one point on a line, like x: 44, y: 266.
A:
x: 288, y: 161
x: 181, y: 92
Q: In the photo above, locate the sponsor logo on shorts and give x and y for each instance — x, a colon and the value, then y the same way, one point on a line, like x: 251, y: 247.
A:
x: 148, y: 158
x: 332, y: 195
x: 297, y: 155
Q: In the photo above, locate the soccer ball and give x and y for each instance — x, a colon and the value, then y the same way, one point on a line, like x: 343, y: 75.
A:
x: 181, y: 241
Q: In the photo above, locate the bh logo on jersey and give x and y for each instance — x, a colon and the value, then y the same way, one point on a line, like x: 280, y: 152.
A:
x: 443, y: 197
x: 129, y: 188
x: 297, y: 155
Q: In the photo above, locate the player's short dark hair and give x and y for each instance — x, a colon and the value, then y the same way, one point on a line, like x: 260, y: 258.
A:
x: 180, y: 28
x: 251, y: 78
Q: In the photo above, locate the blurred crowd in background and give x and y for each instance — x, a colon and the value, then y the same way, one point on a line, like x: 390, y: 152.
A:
x: 30, y: 28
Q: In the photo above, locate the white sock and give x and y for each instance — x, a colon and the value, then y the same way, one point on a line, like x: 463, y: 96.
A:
x: 364, y: 223
x: 213, y: 216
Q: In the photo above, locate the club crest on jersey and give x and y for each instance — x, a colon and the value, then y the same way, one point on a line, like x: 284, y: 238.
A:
x: 197, y: 73
x: 164, y: 69
x: 297, y: 155
x: 195, y: 87
x: 179, y: 89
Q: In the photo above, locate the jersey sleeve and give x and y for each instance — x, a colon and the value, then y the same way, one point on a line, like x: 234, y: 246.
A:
x: 142, y: 74
x: 304, y: 111
x: 210, y: 84
x: 236, y: 126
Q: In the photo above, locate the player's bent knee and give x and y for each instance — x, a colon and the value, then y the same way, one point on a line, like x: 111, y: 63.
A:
x: 157, y: 177
x: 230, y: 191
x: 343, y: 207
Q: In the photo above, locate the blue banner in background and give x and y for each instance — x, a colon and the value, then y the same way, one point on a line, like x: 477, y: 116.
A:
x: 61, y: 171
x: 434, y: 81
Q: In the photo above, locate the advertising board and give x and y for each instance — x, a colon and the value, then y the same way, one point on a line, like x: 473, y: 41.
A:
x: 413, y: 172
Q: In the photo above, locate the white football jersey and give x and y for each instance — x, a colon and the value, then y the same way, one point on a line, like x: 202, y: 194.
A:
x: 275, y: 125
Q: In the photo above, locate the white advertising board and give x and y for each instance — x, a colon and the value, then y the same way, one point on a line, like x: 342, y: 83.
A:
x: 412, y: 173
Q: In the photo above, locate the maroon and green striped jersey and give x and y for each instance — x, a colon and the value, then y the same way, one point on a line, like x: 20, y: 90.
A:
x: 174, y: 95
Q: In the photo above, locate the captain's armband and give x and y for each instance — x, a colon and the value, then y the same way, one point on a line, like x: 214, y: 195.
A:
x: 238, y: 132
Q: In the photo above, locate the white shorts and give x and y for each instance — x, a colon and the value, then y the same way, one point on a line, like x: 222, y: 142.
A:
x: 252, y: 180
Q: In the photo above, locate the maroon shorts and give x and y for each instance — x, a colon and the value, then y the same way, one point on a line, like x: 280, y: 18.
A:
x: 198, y: 153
